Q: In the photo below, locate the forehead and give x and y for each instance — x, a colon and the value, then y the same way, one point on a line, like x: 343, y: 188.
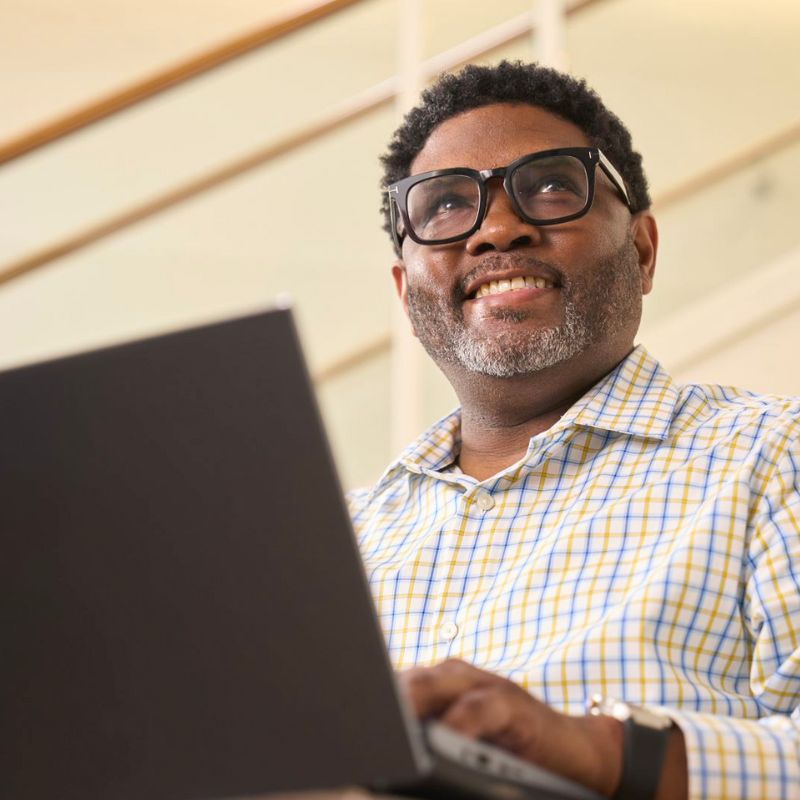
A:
x: 495, y: 135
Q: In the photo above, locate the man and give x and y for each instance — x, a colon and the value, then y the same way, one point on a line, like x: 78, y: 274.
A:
x: 582, y: 525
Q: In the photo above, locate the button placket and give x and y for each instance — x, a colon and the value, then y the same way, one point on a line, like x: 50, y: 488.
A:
x: 437, y: 609
x: 444, y: 605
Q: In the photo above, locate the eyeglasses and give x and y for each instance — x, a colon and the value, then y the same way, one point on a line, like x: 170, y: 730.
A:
x: 545, y: 188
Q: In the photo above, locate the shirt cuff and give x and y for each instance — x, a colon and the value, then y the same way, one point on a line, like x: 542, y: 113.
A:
x: 729, y: 757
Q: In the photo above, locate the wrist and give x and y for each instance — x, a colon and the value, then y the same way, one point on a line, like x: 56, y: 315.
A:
x: 646, y: 736
x: 674, y: 784
x: 607, y: 733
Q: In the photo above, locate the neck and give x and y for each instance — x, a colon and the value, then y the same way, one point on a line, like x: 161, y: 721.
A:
x: 500, y: 415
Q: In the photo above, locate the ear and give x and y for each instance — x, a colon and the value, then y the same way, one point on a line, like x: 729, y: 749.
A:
x: 645, y: 239
x: 401, y: 283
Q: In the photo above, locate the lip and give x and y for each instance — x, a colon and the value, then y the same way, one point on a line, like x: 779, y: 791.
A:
x: 516, y: 297
x: 508, y: 274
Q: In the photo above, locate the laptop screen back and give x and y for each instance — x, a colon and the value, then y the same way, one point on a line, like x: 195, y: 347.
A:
x: 185, y: 614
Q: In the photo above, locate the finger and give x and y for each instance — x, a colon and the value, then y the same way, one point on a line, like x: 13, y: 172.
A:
x: 504, y: 715
x: 481, y: 713
x: 430, y: 690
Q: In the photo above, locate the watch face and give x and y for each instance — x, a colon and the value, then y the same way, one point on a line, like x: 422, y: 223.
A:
x: 609, y: 707
x: 650, y: 719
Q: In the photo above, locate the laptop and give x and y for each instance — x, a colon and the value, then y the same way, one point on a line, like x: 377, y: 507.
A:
x: 185, y: 614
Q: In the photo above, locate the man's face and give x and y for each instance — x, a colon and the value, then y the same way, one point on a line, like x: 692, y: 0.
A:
x: 582, y: 281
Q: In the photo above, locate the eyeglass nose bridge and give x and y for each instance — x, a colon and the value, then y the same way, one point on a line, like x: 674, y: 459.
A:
x: 488, y: 174
x: 485, y: 176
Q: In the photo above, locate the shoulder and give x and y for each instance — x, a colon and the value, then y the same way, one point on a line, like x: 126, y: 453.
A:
x: 357, y: 501
x: 406, y: 478
x: 729, y: 408
x: 757, y: 434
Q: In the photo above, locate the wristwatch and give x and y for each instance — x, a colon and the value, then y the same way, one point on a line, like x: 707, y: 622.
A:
x: 645, y: 738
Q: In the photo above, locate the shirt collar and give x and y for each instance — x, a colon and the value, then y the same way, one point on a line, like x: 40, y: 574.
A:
x: 435, y: 449
x: 637, y: 398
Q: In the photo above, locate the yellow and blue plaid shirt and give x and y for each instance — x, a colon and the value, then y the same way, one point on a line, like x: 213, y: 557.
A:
x: 647, y: 547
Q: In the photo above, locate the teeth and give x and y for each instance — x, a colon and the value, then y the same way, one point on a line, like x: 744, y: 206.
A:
x: 506, y: 285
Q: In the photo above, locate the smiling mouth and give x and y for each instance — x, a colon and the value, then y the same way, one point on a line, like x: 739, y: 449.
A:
x: 512, y: 285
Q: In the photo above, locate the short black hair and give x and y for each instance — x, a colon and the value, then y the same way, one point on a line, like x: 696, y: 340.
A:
x: 515, y: 82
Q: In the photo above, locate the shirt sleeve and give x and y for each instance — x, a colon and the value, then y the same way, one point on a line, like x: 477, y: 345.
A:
x: 740, y: 758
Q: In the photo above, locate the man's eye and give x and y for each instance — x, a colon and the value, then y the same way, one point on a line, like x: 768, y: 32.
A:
x: 554, y: 185
x: 447, y: 203
x: 445, y: 208
x: 551, y: 185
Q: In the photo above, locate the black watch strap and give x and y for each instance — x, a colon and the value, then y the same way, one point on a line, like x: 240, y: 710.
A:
x: 643, y: 754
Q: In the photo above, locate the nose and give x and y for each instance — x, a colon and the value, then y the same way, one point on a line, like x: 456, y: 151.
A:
x: 502, y: 228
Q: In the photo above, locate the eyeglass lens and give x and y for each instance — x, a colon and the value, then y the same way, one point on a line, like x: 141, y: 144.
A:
x: 545, y: 189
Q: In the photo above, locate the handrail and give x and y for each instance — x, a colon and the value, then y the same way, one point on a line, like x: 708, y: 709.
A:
x: 164, y: 79
x: 359, y: 355
x: 350, y: 110
x: 756, y: 151
x: 736, y: 317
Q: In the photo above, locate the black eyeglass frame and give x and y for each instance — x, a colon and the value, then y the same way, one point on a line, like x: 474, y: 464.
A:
x: 590, y: 157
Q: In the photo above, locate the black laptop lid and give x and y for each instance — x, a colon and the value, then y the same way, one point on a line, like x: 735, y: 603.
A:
x: 159, y: 501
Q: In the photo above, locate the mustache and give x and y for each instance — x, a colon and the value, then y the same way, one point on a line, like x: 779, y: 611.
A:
x: 493, y: 262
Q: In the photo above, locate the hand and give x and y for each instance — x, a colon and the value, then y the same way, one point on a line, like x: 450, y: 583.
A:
x: 481, y: 705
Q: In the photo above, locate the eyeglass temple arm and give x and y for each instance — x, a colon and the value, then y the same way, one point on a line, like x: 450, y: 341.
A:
x: 616, y: 178
x: 394, y: 217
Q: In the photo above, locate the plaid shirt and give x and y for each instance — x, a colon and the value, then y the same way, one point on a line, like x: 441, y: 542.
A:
x: 647, y: 547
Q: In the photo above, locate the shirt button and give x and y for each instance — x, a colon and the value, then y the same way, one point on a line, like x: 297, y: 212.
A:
x: 484, y: 500
x: 448, y: 631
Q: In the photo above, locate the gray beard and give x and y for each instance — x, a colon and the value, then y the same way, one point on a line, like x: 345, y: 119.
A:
x: 593, y: 310
x: 509, y: 355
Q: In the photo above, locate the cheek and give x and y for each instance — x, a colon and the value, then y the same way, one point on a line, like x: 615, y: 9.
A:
x: 586, y: 253
x: 430, y: 271
x: 616, y: 234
